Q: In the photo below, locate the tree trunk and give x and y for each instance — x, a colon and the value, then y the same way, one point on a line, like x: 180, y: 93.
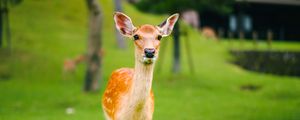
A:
x: 5, y: 21
x: 176, y: 36
x: 93, y: 72
x: 1, y: 23
x: 119, y: 37
x: 133, y: 1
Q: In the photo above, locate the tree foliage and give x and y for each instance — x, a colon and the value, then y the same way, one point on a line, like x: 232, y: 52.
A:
x: 172, y: 6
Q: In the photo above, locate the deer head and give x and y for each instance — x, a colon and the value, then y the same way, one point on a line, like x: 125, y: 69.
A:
x: 146, y: 37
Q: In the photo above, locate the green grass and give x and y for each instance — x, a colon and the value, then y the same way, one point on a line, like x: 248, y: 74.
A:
x: 44, y: 33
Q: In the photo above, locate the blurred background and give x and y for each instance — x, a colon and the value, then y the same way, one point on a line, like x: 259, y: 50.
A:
x: 226, y: 59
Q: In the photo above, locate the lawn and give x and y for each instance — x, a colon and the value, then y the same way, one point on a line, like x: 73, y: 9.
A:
x: 45, y: 33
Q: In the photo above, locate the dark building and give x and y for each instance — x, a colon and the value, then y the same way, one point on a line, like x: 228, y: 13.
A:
x: 279, y: 19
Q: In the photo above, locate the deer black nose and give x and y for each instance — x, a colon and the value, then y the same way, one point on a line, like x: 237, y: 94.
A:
x: 149, y: 52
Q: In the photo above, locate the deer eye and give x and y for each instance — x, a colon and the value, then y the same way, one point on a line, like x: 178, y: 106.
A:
x: 136, y: 37
x: 159, y: 37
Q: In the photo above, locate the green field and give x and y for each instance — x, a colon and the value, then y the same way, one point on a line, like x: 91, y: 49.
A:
x: 46, y: 32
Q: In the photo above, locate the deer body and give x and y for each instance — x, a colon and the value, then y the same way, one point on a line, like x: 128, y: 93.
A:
x: 209, y: 33
x: 128, y: 95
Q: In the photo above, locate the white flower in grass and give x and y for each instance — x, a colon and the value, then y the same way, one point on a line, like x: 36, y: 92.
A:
x: 70, y: 111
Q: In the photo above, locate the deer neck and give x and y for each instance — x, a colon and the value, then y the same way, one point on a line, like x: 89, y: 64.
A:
x: 142, y: 81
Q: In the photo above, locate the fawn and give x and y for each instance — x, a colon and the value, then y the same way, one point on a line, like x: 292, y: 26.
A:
x: 128, y: 95
x: 70, y: 65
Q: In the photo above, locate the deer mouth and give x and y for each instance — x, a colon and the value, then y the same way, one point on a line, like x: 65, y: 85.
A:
x: 147, y: 60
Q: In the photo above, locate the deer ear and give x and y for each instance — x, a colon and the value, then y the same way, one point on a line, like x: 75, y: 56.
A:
x: 167, y: 26
x: 124, y: 24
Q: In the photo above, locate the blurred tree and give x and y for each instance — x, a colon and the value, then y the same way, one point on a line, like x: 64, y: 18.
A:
x: 176, y: 49
x: 119, y: 37
x: 93, y: 72
x: 172, y: 6
x: 133, y: 1
x: 4, y: 19
x: 179, y: 6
